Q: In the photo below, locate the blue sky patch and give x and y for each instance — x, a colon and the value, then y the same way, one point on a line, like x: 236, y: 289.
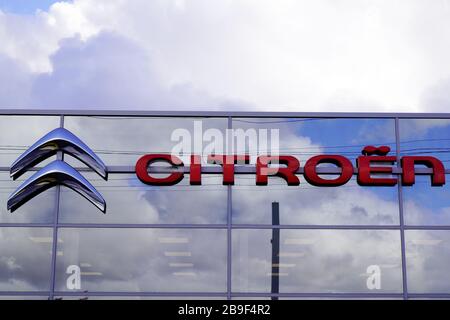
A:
x: 25, y: 6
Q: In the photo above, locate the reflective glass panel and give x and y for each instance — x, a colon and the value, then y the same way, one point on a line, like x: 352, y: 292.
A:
x: 40, y: 209
x: 307, y: 204
x: 428, y: 258
x: 25, y: 259
x: 123, y: 140
x: 20, y: 132
x: 307, y: 137
x: 318, y: 261
x: 128, y: 200
x: 136, y: 260
x: 423, y: 203
x: 426, y: 205
x: 428, y: 137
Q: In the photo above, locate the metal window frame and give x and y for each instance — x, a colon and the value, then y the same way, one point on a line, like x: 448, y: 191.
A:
x: 220, y: 114
x: 52, y: 293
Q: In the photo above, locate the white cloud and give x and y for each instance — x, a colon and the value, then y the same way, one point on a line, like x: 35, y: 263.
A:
x: 31, y: 40
x: 298, y: 55
x: 15, y: 83
x: 289, y: 55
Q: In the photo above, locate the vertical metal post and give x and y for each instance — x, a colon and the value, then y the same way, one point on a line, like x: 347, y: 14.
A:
x: 275, y: 287
x: 229, y: 215
x: 400, y: 206
x: 60, y: 156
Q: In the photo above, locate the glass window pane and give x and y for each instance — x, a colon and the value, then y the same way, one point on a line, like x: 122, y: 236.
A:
x: 307, y: 204
x: 136, y: 260
x: 307, y: 137
x: 424, y: 204
x: 40, y: 209
x: 428, y: 137
x: 20, y: 132
x: 130, y: 201
x: 428, y: 258
x: 123, y: 140
x: 25, y: 259
x: 318, y: 261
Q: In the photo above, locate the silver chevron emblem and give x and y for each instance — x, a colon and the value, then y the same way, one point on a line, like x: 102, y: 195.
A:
x: 59, y: 139
x: 57, y: 172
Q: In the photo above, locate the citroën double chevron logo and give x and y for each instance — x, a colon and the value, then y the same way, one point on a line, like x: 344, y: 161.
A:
x: 57, y: 172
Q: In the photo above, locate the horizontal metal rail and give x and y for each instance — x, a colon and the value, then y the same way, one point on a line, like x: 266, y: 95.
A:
x: 342, y: 295
x: 112, y: 294
x: 220, y: 114
x: 220, y: 226
x: 200, y: 113
x: 238, y: 169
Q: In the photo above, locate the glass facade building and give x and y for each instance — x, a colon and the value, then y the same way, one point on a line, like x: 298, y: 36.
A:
x: 216, y: 241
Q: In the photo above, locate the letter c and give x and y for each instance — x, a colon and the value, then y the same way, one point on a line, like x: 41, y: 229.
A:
x: 145, y: 161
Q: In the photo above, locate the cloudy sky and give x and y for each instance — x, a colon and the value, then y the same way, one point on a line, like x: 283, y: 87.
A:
x: 289, y: 55
x: 286, y: 55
